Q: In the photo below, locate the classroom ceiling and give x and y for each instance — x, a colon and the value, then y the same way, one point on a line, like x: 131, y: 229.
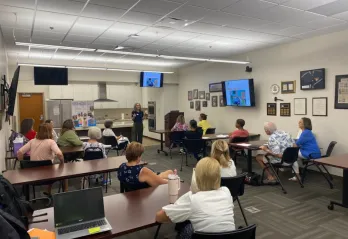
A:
x: 216, y: 29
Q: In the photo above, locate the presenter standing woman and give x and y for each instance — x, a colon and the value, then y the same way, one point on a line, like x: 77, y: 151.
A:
x: 137, y: 130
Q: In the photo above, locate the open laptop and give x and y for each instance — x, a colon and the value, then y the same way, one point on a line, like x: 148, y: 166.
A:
x: 79, y: 213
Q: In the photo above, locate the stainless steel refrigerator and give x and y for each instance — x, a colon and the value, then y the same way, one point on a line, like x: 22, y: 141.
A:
x: 59, y: 111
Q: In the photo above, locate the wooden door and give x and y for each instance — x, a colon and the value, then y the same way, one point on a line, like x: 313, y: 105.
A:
x: 31, y: 105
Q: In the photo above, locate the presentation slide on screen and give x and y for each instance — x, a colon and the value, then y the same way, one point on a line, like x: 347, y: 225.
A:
x: 152, y: 79
x: 237, y: 92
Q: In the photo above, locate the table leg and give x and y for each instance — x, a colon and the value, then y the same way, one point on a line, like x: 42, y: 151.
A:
x: 344, y: 193
x: 250, y: 161
x: 162, y: 150
x: 26, y: 191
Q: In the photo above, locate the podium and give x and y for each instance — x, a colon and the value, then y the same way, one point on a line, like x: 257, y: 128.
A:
x: 169, y: 122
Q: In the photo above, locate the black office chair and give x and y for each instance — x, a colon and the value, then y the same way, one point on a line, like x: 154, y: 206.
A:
x: 290, y: 156
x: 39, y: 163
x: 210, y: 131
x: 176, y: 138
x: 243, y: 233
x: 236, y: 187
x: 111, y: 140
x: 192, y: 146
x: 234, y: 152
x: 94, y: 153
x: 311, y: 161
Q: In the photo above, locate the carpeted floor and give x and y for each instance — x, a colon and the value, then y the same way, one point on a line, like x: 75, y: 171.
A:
x: 300, y: 214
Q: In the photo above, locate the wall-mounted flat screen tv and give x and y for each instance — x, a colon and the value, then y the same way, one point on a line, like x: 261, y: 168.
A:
x: 151, y: 79
x: 50, y: 76
x: 239, y: 92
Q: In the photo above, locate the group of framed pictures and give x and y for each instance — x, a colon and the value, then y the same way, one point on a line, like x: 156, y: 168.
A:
x: 205, y: 97
x: 319, y: 106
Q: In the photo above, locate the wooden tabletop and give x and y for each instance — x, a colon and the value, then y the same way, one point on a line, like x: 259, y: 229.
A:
x: 253, y: 144
x: 64, y: 171
x: 126, y: 212
x: 338, y: 161
x: 75, y: 149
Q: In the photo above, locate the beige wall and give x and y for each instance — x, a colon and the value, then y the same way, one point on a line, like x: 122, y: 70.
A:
x: 5, y: 130
x: 271, y: 66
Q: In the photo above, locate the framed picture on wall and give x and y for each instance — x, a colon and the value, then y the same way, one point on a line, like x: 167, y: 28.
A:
x: 205, y: 103
x: 192, y: 105
x: 207, y: 96
x: 189, y: 95
x: 288, y: 87
x: 215, y: 87
x: 319, y: 106
x: 195, y: 94
x: 214, y: 101
x: 313, y: 79
x: 201, y: 95
x: 300, y: 106
x: 341, y: 92
x: 198, y: 105
x: 221, y: 100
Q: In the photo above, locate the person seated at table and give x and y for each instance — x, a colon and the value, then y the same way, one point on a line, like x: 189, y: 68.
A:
x: 121, y: 140
x: 27, y: 128
x: 209, y: 210
x: 277, y: 143
x: 43, y: 147
x: 68, y: 136
x: 136, y: 175
x: 203, y: 123
x: 240, y: 131
x: 54, y: 134
x: 180, y: 124
x: 307, y: 142
x: 193, y: 133
x: 220, y: 152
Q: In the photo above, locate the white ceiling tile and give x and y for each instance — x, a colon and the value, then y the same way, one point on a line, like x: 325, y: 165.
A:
x: 271, y: 28
x: 155, y: 7
x: 61, y: 6
x: 140, y: 18
x: 19, y: 3
x: 87, y: 56
x: 156, y: 47
x: 342, y: 16
x: 102, y: 12
x: 332, y: 8
x: 176, y: 38
x: 101, y: 46
x: 21, y: 33
x: 293, y: 31
x: 90, y: 26
x: 41, y: 53
x: 47, y: 34
x: 47, y: 41
x: 120, y: 29
x: 65, y: 55
x: 75, y: 44
x: 190, y: 13
x: 153, y: 34
x: 307, y: 4
x: 251, y: 8
x: 323, y: 31
x: 8, y: 17
x: 323, y: 22
x: 82, y: 39
x: 135, y: 43
x: 123, y: 4
x: 204, y: 28
x: 233, y: 20
x: 278, y: 1
x: 216, y: 4
x: 60, y: 22
x: 109, y: 41
x: 199, y: 40
x: 248, y: 35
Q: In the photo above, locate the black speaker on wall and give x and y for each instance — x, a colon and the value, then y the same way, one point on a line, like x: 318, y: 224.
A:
x: 248, y: 69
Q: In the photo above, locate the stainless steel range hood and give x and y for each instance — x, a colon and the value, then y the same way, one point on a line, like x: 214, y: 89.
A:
x: 102, y: 93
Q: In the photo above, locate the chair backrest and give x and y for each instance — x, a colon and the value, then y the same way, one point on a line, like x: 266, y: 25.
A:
x: 194, y: 145
x: 330, y: 148
x: 126, y: 187
x: 210, y: 131
x: 290, y: 155
x: 34, y: 163
x: 110, y: 140
x: 239, y: 139
x: 243, y: 233
x: 234, y: 184
x: 177, y: 136
x: 93, y: 153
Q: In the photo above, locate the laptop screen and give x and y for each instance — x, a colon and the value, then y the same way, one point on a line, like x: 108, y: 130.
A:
x: 78, y: 206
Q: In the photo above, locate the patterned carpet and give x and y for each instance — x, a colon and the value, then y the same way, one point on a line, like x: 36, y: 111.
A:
x: 300, y: 214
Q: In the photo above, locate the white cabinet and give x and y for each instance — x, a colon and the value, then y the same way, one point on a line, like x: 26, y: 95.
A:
x: 125, y: 95
x: 105, y: 105
x: 85, y: 92
x: 61, y: 92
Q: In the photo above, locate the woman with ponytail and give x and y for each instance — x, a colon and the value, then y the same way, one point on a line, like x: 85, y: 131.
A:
x: 220, y: 152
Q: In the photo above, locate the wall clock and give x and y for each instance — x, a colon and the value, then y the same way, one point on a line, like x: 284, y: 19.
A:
x: 275, y: 89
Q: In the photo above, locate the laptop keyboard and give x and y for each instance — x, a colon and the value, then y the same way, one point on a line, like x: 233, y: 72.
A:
x: 81, y: 227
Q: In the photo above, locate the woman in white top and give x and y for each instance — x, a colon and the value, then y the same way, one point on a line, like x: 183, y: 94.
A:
x: 220, y: 152
x: 109, y: 132
x: 209, y: 210
x: 54, y: 134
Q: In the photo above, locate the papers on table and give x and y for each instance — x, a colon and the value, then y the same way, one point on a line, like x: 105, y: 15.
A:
x: 222, y: 136
x: 205, y: 137
x: 244, y: 145
x: 84, y: 138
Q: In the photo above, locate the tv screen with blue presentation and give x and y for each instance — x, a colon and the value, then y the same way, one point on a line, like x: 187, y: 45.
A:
x: 151, y: 79
x: 239, y: 92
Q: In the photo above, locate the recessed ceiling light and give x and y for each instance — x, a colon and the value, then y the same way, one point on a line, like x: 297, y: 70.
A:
x: 119, y: 48
x: 133, y: 35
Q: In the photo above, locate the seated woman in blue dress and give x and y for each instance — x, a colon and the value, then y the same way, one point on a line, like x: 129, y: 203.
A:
x: 308, y: 144
x: 138, y: 176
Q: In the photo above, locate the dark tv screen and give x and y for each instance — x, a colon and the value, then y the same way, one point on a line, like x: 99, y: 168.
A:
x: 13, y: 92
x: 50, y: 76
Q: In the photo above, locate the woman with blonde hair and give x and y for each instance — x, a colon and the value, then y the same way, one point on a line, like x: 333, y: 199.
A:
x: 220, y: 152
x: 180, y: 124
x: 138, y: 127
x: 209, y: 210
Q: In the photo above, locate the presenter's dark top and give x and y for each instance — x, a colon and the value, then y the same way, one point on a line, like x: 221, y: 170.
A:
x: 138, y: 116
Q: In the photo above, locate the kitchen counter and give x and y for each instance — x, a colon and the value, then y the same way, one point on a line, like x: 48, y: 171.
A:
x: 124, y: 128
x: 114, y: 126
